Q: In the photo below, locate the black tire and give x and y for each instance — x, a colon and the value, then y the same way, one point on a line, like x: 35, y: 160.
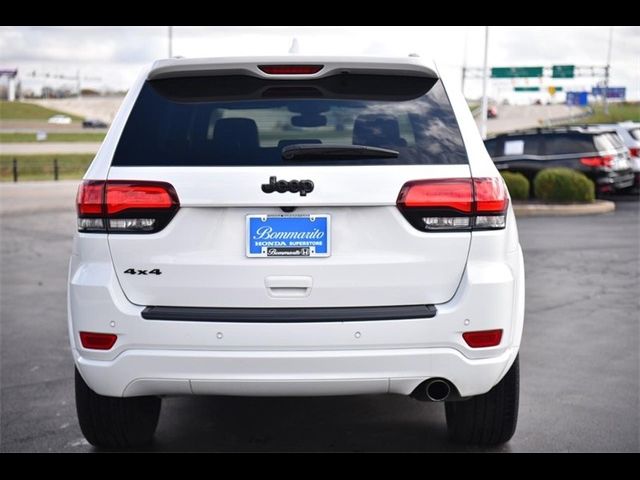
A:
x: 113, y: 422
x: 488, y: 419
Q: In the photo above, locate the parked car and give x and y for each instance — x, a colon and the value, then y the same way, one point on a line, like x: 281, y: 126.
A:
x: 93, y: 123
x: 629, y: 132
x: 598, y: 154
x: 220, y: 253
x: 60, y: 119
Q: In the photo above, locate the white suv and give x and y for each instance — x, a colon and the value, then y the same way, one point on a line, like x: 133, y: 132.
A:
x: 294, y: 225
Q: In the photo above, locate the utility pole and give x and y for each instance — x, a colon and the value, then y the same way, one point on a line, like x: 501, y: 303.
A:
x: 464, y: 61
x: 485, y: 75
x: 605, y: 100
x: 170, y: 32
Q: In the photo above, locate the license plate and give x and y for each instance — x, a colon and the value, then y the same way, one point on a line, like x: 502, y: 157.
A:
x: 288, y: 235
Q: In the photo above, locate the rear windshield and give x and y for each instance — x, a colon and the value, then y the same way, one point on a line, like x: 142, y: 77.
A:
x: 635, y: 133
x: 240, y: 120
x: 567, y: 143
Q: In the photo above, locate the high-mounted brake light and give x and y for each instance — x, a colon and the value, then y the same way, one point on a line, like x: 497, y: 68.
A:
x: 453, y: 204
x: 97, y: 341
x: 483, y: 338
x: 290, y: 69
x: 604, y: 161
x: 123, y: 206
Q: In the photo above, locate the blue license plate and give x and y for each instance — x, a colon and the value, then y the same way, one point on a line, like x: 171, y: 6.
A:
x: 288, y: 235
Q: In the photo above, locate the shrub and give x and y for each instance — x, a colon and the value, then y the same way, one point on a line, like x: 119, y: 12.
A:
x: 563, y: 185
x: 517, y: 184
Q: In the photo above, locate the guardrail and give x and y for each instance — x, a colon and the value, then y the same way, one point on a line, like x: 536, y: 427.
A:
x: 55, y: 169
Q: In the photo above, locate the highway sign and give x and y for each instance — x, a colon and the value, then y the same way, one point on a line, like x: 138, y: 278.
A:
x: 578, y: 98
x: 526, y: 89
x: 563, y: 71
x: 612, y: 92
x: 516, y: 72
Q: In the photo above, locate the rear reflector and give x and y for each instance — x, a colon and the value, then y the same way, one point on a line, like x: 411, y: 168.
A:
x: 97, y: 341
x: 123, y: 206
x: 454, y: 204
x: 290, y: 69
x: 484, y: 338
x: 605, y: 161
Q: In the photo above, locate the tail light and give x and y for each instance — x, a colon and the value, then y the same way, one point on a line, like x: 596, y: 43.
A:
x: 97, y: 341
x: 290, y: 69
x: 604, y: 161
x: 483, y: 338
x: 454, y: 204
x: 634, y: 151
x: 123, y: 206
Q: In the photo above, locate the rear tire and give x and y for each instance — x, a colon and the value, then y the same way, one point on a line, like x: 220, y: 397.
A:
x: 488, y: 419
x: 113, y: 422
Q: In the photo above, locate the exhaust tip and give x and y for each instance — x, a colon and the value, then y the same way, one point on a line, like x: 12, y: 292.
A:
x: 437, y: 390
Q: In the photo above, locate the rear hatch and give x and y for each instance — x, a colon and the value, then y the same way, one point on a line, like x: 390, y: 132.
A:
x: 318, y: 229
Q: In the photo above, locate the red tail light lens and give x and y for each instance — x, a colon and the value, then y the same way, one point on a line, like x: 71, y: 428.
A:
x: 90, y: 198
x: 605, y: 161
x: 290, y: 69
x: 490, y: 195
x: 118, y: 206
x: 454, y: 204
x: 455, y: 194
x: 634, y: 152
x: 131, y: 196
x: 98, y: 341
x: 482, y: 339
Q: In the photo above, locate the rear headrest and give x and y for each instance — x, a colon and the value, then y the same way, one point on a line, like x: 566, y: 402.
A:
x: 377, y: 130
x: 236, y: 135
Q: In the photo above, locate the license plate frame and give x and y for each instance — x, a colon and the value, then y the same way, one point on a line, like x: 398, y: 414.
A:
x: 316, y: 247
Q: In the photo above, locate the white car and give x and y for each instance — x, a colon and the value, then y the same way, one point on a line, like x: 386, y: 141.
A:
x: 294, y: 225
x: 630, y: 134
x: 60, y: 120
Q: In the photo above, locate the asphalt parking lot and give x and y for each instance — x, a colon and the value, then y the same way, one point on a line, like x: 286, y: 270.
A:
x: 579, y: 360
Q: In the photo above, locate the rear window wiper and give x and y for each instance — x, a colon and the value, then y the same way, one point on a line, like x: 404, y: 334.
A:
x: 303, y: 151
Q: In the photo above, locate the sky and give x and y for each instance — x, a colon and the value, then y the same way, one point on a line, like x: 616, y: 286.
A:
x: 111, y: 57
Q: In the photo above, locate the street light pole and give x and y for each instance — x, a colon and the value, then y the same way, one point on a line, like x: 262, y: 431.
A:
x: 485, y: 75
x: 606, y: 73
x: 170, y: 41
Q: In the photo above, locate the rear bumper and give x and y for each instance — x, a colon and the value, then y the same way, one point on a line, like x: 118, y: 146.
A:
x: 290, y: 373
x: 165, y: 357
x: 616, y: 181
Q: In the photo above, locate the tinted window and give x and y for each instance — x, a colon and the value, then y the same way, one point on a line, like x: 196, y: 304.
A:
x: 492, y: 145
x: 635, y: 133
x: 566, y: 143
x: 521, y: 145
x: 247, y: 121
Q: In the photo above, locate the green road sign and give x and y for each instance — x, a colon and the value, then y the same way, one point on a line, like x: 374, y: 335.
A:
x: 516, y: 72
x: 563, y: 71
x: 526, y: 89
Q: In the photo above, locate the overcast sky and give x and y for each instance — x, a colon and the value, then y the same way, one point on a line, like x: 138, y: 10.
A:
x: 115, y: 54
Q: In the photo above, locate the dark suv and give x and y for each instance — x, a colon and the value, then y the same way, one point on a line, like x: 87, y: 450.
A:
x: 601, y: 155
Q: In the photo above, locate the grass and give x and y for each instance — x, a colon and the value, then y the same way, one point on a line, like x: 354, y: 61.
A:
x: 618, y: 112
x: 52, y: 137
x: 40, y: 167
x: 29, y: 111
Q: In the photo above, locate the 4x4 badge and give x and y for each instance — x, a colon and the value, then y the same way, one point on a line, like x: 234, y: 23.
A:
x: 293, y: 186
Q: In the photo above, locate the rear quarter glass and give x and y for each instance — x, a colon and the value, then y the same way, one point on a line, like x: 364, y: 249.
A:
x: 246, y: 121
x: 568, y: 143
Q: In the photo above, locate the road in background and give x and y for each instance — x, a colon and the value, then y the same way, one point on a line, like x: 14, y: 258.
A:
x: 48, y: 147
x: 579, y: 358
x: 516, y: 117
